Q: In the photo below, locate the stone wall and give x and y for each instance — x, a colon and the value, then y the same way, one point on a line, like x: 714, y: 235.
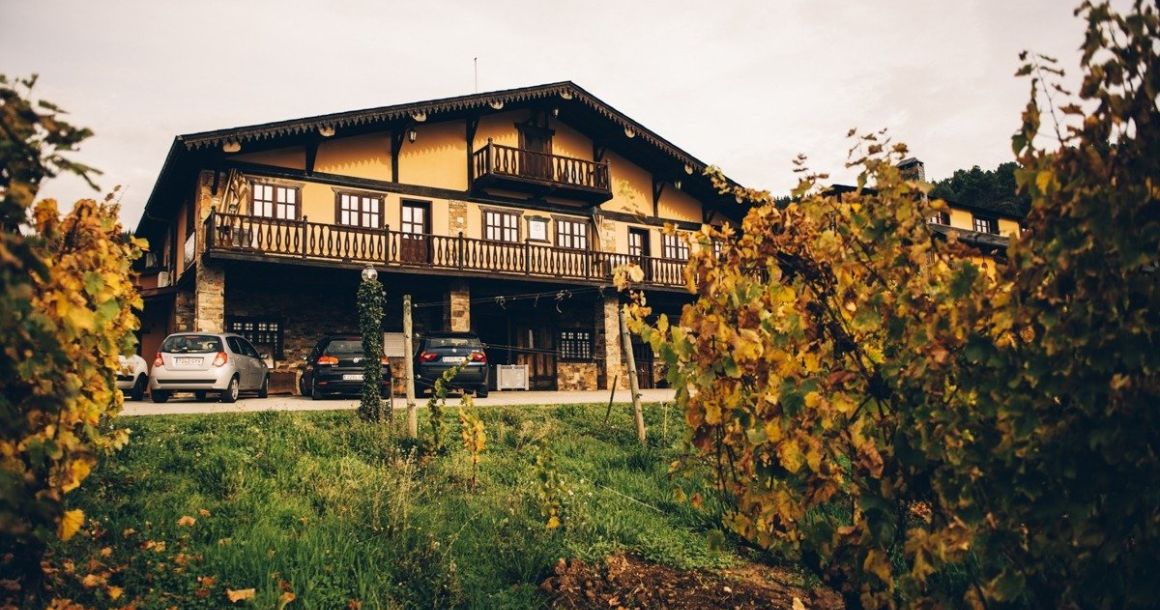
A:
x: 457, y: 311
x: 210, y: 298
x: 457, y: 217
x: 184, y: 306
x: 608, y: 343
x: 571, y: 376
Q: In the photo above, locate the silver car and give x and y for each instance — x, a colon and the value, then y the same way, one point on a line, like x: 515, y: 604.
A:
x: 201, y: 363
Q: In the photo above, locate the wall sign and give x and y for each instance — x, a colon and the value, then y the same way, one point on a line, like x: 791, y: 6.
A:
x: 537, y: 228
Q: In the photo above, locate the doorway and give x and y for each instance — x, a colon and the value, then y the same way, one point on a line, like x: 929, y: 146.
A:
x: 638, y: 248
x: 415, y: 241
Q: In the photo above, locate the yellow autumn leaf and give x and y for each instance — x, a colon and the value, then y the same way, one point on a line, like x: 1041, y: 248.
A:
x: 877, y: 564
x: 285, y: 599
x: 553, y: 522
x: 115, y: 592
x: 75, y: 472
x: 238, y: 595
x: 70, y: 522
x: 186, y: 521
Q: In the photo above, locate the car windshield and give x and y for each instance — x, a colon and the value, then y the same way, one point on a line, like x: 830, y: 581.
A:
x: 192, y: 344
x: 433, y: 342
x: 344, y: 347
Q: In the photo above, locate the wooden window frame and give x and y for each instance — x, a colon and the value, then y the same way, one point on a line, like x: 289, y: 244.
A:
x: 645, y: 247
x: 501, y: 229
x: 360, y: 212
x: 987, y: 222
x: 575, y: 345
x: 571, y: 233
x: 939, y: 218
x: 252, y: 327
x: 674, y: 247
x: 274, y: 203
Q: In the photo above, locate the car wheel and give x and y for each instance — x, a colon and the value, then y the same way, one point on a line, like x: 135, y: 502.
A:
x: 314, y: 393
x: 138, y: 391
x: 481, y: 392
x: 231, y: 392
x: 159, y: 395
x: 199, y: 396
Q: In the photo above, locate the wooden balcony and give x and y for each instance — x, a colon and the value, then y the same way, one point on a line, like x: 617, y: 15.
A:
x: 497, y: 166
x: 252, y: 237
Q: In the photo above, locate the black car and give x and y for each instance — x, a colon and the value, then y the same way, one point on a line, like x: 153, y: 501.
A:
x: 335, y: 367
x: 440, y: 351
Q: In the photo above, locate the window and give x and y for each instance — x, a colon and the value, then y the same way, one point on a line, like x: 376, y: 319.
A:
x: 359, y: 210
x: 986, y: 225
x: 638, y: 242
x: 676, y: 247
x: 501, y: 226
x: 572, y: 234
x: 939, y: 218
x: 576, y: 345
x: 259, y: 331
x: 272, y: 201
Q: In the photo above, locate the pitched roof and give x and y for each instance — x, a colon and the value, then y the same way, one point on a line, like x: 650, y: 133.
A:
x: 430, y: 108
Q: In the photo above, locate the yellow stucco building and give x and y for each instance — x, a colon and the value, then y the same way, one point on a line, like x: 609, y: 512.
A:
x: 502, y: 213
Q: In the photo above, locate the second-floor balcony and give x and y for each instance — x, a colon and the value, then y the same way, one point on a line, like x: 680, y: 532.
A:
x: 261, y: 238
x: 498, y: 166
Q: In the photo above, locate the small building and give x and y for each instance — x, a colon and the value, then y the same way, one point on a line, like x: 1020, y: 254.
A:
x: 502, y: 213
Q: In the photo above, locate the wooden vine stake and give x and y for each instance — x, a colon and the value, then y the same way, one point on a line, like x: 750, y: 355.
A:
x: 633, y: 384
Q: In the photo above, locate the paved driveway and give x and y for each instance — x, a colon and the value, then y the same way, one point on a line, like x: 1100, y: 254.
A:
x: 303, y: 403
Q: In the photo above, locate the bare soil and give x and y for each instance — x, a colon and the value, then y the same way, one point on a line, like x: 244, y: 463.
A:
x: 626, y: 581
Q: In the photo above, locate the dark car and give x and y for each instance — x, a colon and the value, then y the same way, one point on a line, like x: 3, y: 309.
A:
x: 335, y: 367
x: 440, y: 351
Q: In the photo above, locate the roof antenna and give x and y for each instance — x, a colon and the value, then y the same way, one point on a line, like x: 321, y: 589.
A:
x: 475, y: 62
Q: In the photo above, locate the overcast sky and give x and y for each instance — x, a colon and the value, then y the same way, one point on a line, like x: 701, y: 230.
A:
x: 741, y: 84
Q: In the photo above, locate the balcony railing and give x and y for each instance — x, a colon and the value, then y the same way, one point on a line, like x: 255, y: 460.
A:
x: 508, y: 167
x: 287, y: 239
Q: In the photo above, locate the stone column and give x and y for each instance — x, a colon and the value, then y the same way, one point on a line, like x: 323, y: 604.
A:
x: 210, y: 298
x: 608, y: 342
x: 184, y: 306
x: 457, y: 218
x: 457, y: 308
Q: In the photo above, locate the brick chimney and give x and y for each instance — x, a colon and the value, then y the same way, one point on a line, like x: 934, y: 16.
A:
x: 912, y: 169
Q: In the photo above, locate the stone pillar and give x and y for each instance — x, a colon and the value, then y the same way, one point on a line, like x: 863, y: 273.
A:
x: 457, y: 218
x: 608, y: 342
x: 210, y: 298
x: 184, y: 306
x: 457, y: 308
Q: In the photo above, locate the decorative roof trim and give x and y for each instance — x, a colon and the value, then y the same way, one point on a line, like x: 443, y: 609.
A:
x: 566, y: 90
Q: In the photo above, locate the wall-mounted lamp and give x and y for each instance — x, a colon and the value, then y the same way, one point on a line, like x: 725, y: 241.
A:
x: 326, y: 131
x: 688, y: 169
x: 565, y: 95
x: 496, y: 105
x: 369, y: 274
x: 629, y: 133
x: 555, y: 112
x: 677, y: 183
x: 411, y: 135
x: 419, y: 117
x: 231, y: 147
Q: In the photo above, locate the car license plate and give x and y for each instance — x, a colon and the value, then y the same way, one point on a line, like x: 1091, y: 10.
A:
x: 455, y: 359
x: 352, y: 377
x: 188, y: 361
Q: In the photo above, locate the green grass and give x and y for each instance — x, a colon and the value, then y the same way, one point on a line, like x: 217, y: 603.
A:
x: 333, y: 509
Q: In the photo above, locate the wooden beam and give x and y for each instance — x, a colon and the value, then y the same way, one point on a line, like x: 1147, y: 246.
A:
x: 311, y: 155
x: 658, y: 186
x: 472, y: 125
x: 397, y: 136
